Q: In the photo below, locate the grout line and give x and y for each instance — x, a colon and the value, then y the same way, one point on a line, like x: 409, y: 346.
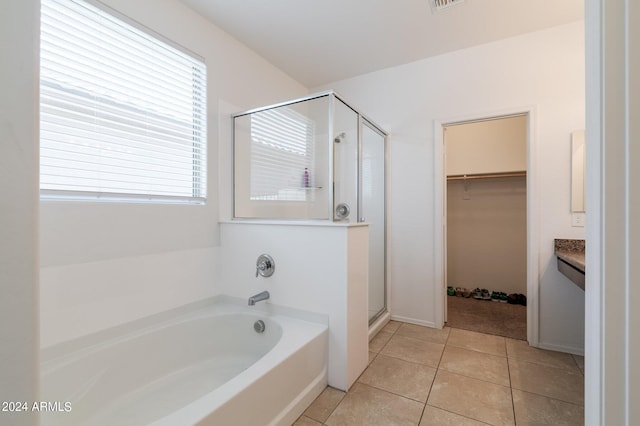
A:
x: 478, y: 351
x: 457, y: 414
x: 457, y: 373
x: 444, y: 348
x: 550, y: 397
x: 334, y: 408
x: 565, y: 368
x: 439, y: 368
x: 435, y: 375
x: 424, y: 407
x: 577, y: 365
x: 404, y: 360
x: 513, y: 404
x: 393, y: 393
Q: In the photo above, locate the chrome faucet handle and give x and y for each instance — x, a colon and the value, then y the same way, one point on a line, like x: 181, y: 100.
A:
x: 265, y: 266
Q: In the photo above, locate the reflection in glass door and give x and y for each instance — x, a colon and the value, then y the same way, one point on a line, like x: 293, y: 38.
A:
x: 372, y: 210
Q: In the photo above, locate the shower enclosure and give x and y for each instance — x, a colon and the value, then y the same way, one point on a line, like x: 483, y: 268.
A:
x: 315, y: 158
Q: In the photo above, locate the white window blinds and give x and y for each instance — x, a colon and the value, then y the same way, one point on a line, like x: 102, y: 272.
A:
x: 282, y: 154
x: 122, y: 113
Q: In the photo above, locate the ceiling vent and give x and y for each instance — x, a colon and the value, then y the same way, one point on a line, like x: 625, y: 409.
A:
x: 438, y: 5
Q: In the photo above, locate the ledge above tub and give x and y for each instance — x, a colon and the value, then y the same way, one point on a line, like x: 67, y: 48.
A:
x: 293, y: 222
x: 571, y: 261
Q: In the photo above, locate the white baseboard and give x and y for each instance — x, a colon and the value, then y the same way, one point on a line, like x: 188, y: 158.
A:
x: 413, y: 321
x: 560, y: 348
x: 379, y: 324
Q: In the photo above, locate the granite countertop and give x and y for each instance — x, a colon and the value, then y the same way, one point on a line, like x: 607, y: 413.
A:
x: 572, y: 252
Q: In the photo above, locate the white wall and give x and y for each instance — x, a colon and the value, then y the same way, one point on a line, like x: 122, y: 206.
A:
x: 487, y: 234
x: 543, y: 69
x: 107, y: 263
x: 490, y: 146
x: 19, y: 41
x: 318, y: 268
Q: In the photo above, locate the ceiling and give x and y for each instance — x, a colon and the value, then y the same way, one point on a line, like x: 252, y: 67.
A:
x: 320, y: 41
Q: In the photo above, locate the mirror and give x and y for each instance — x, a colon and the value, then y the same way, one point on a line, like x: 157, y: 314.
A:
x: 577, y: 171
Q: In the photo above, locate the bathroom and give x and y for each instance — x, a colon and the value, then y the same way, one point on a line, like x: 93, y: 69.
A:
x: 112, y: 263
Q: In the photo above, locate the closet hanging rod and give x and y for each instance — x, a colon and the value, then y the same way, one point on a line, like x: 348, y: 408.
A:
x: 487, y: 175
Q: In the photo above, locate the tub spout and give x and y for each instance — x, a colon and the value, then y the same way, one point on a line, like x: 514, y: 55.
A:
x: 258, y: 297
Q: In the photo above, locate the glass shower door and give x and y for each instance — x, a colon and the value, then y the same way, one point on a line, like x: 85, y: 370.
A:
x: 345, y: 163
x: 372, y: 210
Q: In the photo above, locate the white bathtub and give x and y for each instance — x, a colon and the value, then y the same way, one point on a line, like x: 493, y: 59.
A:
x: 202, y: 364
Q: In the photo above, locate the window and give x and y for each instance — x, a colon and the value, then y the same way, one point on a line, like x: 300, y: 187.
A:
x: 122, y: 113
x: 282, y: 143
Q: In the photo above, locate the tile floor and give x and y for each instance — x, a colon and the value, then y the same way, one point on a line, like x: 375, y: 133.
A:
x: 423, y: 376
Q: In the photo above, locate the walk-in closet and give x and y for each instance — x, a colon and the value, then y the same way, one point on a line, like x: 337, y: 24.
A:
x: 486, y: 225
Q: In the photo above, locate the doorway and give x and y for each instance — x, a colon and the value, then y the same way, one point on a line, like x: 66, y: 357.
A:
x: 478, y: 183
x: 486, y: 238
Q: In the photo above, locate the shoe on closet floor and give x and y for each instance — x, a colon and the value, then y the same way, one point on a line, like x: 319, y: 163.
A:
x: 522, y: 299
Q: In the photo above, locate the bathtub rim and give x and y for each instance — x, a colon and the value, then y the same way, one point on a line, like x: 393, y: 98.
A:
x: 103, y: 338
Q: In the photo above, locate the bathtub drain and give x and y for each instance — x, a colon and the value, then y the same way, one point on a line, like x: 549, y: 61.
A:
x: 259, y: 326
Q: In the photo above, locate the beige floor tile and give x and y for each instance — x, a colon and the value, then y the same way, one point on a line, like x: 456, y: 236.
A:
x: 532, y: 409
x: 306, y: 421
x: 424, y: 333
x: 480, y: 342
x: 414, y: 350
x: 521, y: 350
x: 473, y: 398
x: 479, y: 365
x: 380, y: 339
x: 372, y: 356
x: 433, y: 416
x: 580, y: 361
x: 365, y: 405
x: 392, y: 326
x: 471, y: 386
x: 558, y: 383
x: 324, y: 404
x: 401, y: 377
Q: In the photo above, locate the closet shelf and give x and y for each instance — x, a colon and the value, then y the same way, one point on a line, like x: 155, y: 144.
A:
x: 487, y: 175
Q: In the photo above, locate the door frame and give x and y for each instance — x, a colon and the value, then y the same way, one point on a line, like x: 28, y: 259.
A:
x: 440, y: 204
